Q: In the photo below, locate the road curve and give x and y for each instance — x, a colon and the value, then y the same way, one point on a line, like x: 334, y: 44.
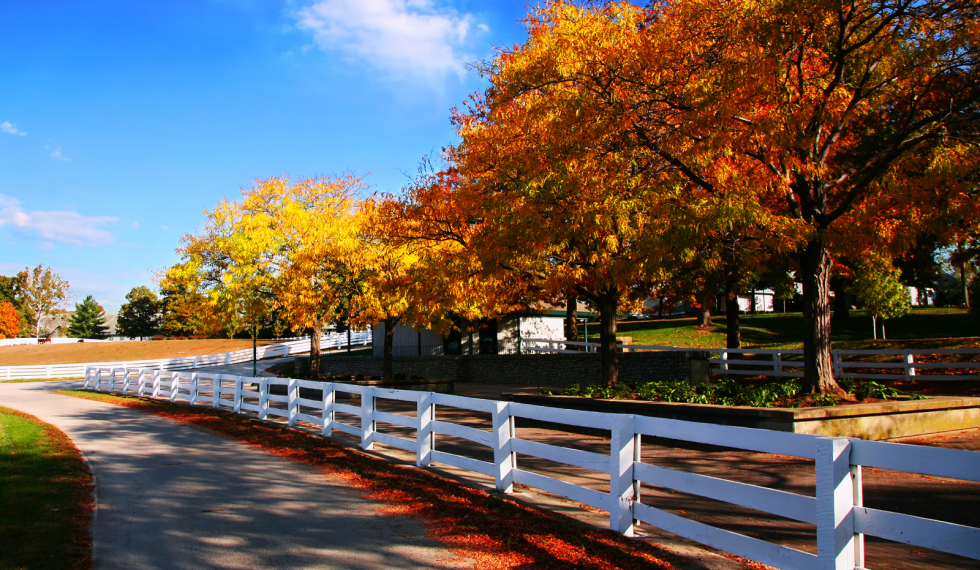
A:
x: 173, y: 497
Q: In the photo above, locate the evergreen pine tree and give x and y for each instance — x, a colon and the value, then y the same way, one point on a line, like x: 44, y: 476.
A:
x: 88, y: 320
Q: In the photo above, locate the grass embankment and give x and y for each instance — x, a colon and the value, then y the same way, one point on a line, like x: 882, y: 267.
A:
x: 45, y: 497
x: 75, y: 353
x: 494, y: 531
x: 922, y: 328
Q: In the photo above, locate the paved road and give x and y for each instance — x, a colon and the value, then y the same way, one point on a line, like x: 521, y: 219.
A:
x: 173, y: 497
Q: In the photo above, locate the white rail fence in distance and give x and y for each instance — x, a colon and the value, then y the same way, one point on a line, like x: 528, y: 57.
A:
x: 774, y: 362
x: 836, y: 510
x: 327, y: 342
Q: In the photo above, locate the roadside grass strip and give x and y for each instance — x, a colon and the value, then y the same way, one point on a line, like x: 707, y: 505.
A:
x: 45, y: 497
x: 494, y: 531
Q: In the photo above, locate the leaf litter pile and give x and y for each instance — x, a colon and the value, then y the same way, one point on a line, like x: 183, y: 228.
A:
x: 493, y: 531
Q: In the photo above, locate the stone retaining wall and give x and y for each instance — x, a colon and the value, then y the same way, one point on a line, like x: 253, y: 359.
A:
x: 529, y: 369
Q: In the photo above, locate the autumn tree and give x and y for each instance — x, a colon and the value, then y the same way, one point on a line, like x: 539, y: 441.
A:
x: 42, y: 293
x: 386, y: 292
x: 9, y: 320
x: 305, y: 234
x: 224, y: 266
x: 443, y: 225
x: 9, y: 293
x: 140, y: 315
x: 817, y: 117
x: 562, y: 150
x: 843, y: 104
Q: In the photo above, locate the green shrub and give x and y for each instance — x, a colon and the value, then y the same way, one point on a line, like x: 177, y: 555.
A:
x: 873, y: 389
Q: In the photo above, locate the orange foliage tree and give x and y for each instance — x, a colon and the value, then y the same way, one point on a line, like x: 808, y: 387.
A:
x: 9, y: 320
x: 801, y: 125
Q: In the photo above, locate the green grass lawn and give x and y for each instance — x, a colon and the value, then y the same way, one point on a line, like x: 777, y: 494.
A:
x: 922, y: 328
x: 45, y: 497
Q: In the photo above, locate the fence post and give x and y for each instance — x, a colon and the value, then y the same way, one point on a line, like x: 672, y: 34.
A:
x: 125, y: 388
x: 216, y: 391
x: 367, y: 418
x: 193, y: 390
x: 156, y: 384
x: 724, y: 358
x: 504, y: 460
x: 622, y: 452
x: 835, y: 360
x: 329, y: 396
x: 425, y: 438
x: 238, y: 394
x: 292, y: 389
x: 174, y: 380
x: 857, y: 476
x: 49, y: 371
x: 85, y: 386
x: 777, y: 364
x: 835, y: 504
x: 263, y: 398
x: 909, y: 368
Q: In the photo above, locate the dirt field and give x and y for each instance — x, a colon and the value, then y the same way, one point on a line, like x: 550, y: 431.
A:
x: 30, y: 355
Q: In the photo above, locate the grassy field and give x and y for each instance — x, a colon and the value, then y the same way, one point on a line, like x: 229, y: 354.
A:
x: 923, y: 328
x: 45, y: 497
x: 75, y: 353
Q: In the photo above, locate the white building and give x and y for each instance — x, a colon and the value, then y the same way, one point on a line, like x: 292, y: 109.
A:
x: 502, y: 336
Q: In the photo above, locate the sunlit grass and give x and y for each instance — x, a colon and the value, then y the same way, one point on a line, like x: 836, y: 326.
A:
x: 45, y: 497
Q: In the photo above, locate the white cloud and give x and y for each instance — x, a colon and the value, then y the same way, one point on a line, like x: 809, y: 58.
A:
x: 164, y: 228
x: 414, y: 38
x: 10, y: 128
x: 62, y: 226
x: 56, y: 155
x: 136, y: 224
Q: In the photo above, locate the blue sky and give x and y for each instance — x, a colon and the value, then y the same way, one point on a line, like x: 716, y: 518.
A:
x: 121, y: 121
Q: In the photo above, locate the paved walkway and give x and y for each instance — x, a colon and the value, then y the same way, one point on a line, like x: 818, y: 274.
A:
x: 173, y: 497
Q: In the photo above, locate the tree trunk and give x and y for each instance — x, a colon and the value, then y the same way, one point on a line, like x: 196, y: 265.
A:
x: 571, y: 318
x: 705, y: 305
x: 388, y: 362
x: 255, y: 350
x: 815, y: 265
x: 608, y: 301
x: 752, y: 308
x: 732, y: 325
x: 966, y: 288
x: 660, y: 307
x: 315, y: 333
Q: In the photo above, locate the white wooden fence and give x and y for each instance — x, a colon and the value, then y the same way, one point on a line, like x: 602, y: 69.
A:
x: 774, y: 362
x: 836, y: 510
x: 52, y: 340
x: 328, y: 341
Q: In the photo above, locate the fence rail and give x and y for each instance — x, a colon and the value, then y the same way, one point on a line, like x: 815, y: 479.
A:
x: 328, y: 341
x: 52, y: 340
x: 836, y: 510
x: 783, y: 363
